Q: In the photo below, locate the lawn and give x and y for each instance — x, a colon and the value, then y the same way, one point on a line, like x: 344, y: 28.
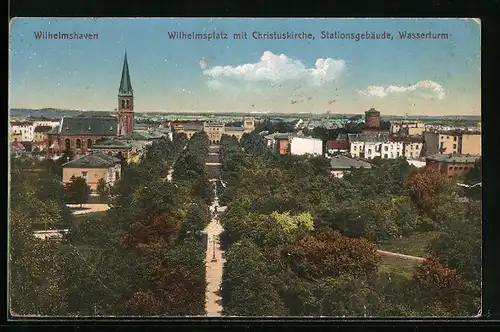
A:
x: 414, y: 245
x: 395, y: 266
x: 78, y: 218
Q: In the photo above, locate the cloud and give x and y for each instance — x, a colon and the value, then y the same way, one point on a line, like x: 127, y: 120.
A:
x: 273, y: 68
x: 428, y: 89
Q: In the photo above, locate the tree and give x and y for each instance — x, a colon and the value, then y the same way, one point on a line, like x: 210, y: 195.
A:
x: 248, y: 293
x: 472, y: 179
x: 424, y: 186
x: 440, y: 288
x: 198, y: 216
x: 331, y: 254
x: 103, y: 190
x: 77, y: 191
x: 37, y: 278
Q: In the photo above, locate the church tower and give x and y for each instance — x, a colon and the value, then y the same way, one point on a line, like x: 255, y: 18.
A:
x: 125, y: 103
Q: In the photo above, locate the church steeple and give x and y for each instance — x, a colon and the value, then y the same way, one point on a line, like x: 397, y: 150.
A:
x: 125, y: 85
x: 125, y: 103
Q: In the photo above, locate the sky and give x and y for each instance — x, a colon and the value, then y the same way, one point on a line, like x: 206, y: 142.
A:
x: 396, y: 76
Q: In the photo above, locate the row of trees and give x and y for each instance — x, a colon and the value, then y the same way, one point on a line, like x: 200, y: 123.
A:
x: 313, y: 237
x: 138, y: 259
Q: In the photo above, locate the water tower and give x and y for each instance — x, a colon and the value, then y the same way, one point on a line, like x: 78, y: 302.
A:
x: 372, y: 119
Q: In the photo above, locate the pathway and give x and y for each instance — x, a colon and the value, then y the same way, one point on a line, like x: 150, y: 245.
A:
x: 88, y: 208
x: 214, y: 260
x: 394, y: 254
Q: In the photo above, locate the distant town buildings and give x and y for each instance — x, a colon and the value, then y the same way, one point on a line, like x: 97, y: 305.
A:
x: 407, y: 128
x: 213, y: 129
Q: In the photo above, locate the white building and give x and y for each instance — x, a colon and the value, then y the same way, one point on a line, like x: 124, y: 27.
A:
x: 392, y: 150
x: 23, y: 128
x: 306, y: 145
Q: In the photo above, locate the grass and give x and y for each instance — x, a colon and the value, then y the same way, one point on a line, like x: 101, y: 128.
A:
x: 78, y: 218
x: 414, y: 245
x: 398, y: 267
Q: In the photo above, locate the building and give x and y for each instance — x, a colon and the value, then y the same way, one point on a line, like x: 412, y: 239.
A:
x: 412, y: 147
x: 247, y: 126
x: 453, y: 166
x: 40, y: 137
x: 341, y: 165
x: 407, y: 128
x: 43, y: 121
x: 214, y: 130
x: 22, y: 129
x: 337, y: 146
x: 112, y: 147
x: 278, y: 142
x: 92, y: 168
x: 367, y: 146
x: 372, y: 119
x: 306, y: 145
x: 188, y: 128
x: 79, y: 133
x: 452, y: 142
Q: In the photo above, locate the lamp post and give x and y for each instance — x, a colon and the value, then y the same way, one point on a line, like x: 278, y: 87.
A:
x: 214, y: 259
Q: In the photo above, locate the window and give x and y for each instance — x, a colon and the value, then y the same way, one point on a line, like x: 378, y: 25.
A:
x: 455, y: 138
x: 386, y: 148
x: 89, y: 143
x: 123, y: 103
x: 84, y: 175
x: 450, y: 168
x: 460, y: 168
x: 355, y: 148
x: 447, y: 137
x: 454, y: 146
x: 127, y: 103
x: 369, y: 151
x: 441, y: 146
x: 78, y: 143
x: 67, y: 144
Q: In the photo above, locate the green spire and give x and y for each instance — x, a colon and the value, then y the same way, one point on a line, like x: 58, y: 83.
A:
x: 125, y: 85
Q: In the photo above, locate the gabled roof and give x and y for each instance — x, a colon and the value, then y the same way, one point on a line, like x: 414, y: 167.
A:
x: 111, y: 143
x: 88, y: 126
x: 336, y: 144
x: 125, y: 84
x: 341, y: 162
x: 98, y: 160
x: 17, y: 145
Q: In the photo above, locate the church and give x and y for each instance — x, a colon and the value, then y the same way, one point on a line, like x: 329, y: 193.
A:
x: 79, y: 134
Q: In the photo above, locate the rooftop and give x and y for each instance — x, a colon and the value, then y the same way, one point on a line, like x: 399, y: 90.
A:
x: 111, y: 143
x: 98, y: 160
x: 379, y: 137
x: 454, y: 158
x: 372, y: 110
x: 233, y: 129
x: 337, y: 144
x: 340, y: 162
x: 92, y: 126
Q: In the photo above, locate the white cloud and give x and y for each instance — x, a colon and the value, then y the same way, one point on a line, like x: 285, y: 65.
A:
x: 274, y: 68
x: 428, y: 89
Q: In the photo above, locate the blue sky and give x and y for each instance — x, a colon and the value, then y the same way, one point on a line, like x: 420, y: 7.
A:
x: 418, y: 77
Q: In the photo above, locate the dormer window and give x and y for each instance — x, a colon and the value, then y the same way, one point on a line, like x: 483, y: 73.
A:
x: 89, y: 128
